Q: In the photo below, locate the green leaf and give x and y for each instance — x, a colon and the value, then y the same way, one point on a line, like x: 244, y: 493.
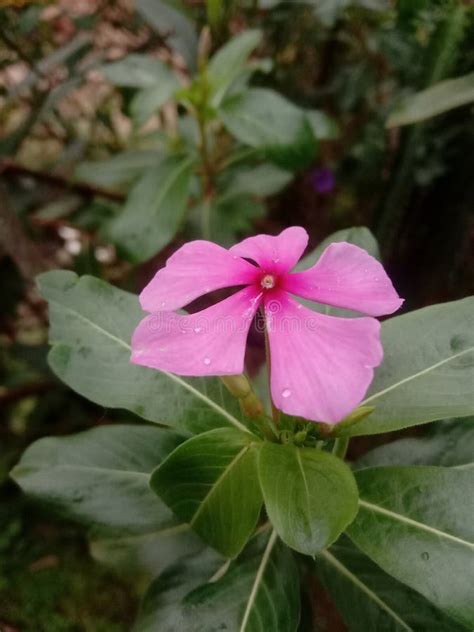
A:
x: 417, y: 524
x: 324, y: 127
x: 229, y: 62
x: 310, y: 495
x: 428, y: 369
x: 232, y: 216
x: 259, y: 180
x: 169, y: 17
x: 450, y: 445
x: 91, y: 326
x: 442, y: 97
x: 357, y: 235
x: 145, y: 556
x: 258, y: 593
x: 148, y: 101
x: 154, y: 210
x: 263, y: 119
x: 211, y: 482
x: 100, y: 477
x: 121, y: 169
x: 369, y: 600
x: 137, y: 71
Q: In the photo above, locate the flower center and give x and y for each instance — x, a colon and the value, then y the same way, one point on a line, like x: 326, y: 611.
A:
x: 268, y: 282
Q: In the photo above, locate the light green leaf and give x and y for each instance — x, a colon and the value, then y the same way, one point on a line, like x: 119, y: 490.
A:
x: 259, y: 180
x: 169, y: 16
x: 145, y: 556
x: 428, y: 369
x: 369, y: 600
x: 357, y: 235
x: 91, y: 326
x: 120, y: 170
x: 310, y: 495
x: 263, y: 119
x: 211, y: 482
x: 100, y: 477
x: 324, y: 127
x: 258, y: 593
x: 450, y: 445
x: 442, y: 97
x: 137, y: 71
x: 229, y: 62
x: 154, y: 210
x: 417, y: 524
x: 148, y: 101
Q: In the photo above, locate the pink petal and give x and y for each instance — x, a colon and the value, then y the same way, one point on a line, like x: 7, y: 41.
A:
x: 210, y: 342
x: 195, y: 269
x: 274, y: 254
x: 321, y: 366
x: 346, y: 276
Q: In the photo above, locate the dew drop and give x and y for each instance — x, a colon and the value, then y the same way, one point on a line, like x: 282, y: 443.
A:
x: 286, y: 393
x: 163, y: 303
x: 207, y: 361
x: 276, y: 260
x: 425, y: 556
x: 299, y: 306
x: 197, y: 329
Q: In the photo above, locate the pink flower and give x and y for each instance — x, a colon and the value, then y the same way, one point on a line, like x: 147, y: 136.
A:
x: 321, y: 366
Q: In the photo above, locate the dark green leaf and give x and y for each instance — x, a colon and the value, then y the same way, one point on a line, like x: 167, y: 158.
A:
x: 442, y: 97
x: 428, y: 369
x: 211, y: 482
x: 91, y: 326
x: 369, y: 600
x: 417, y: 524
x: 233, y: 216
x: 229, y: 62
x: 263, y: 119
x: 452, y: 444
x: 100, y: 477
x: 310, y: 495
x: 258, y: 593
x: 154, y: 210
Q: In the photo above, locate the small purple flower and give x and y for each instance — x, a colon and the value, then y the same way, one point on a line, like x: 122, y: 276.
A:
x: 322, y: 180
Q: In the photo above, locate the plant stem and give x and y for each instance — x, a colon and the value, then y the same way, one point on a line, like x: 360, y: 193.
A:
x: 340, y: 447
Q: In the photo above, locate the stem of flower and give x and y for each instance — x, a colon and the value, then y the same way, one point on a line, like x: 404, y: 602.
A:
x: 340, y: 447
x: 239, y: 387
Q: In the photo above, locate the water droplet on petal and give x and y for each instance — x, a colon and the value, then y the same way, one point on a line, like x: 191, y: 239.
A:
x: 207, y: 361
x: 286, y: 393
x: 276, y: 260
x: 163, y: 303
x: 197, y: 329
x: 299, y: 306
